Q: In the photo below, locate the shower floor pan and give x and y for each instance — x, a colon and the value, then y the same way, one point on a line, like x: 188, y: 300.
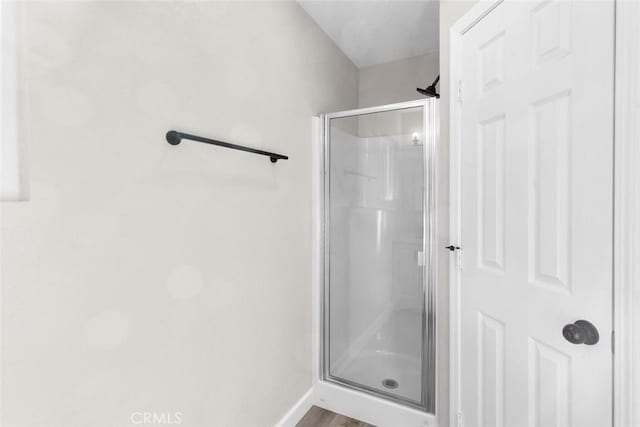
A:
x: 389, y: 360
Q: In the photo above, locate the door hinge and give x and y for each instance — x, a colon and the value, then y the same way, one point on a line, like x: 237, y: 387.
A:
x: 456, y: 249
x: 459, y: 419
x: 613, y: 342
x: 459, y: 90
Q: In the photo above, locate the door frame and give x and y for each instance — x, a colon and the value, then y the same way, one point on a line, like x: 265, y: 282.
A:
x: 626, y: 233
x: 626, y: 217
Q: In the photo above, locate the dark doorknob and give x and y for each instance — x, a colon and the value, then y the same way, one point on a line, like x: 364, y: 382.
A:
x: 581, y: 332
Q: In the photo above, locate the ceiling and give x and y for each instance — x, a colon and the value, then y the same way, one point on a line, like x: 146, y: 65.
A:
x: 376, y: 31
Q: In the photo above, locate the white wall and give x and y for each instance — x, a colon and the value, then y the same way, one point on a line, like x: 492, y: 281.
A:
x: 450, y: 12
x: 396, y: 81
x: 145, y: 277
x: 12, y: 169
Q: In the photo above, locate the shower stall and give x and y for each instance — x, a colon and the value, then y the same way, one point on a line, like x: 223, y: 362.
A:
x: 378, y: 275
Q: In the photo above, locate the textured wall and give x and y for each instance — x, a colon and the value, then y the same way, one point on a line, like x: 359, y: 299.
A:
x: 396, y: 81
x: 145, y: 277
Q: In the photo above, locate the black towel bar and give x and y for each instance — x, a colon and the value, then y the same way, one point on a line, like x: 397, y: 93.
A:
x: 174, y: 138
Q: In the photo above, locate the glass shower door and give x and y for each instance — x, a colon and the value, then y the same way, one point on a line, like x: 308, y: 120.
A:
x: 377, y: 317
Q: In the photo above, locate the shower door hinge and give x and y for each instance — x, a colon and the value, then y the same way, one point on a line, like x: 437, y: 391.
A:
x: 459, y: 90
x: 459, y: 419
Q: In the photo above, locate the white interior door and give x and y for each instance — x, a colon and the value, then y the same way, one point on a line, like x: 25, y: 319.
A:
x: 536, y: 178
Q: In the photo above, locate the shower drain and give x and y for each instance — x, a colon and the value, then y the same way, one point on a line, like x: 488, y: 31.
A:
x: 390, y: 383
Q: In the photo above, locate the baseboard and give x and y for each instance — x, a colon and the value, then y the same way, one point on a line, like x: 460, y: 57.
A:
x: 298, y: 410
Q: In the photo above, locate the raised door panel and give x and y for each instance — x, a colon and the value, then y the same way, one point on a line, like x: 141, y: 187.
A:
x: 491, y: 371
x: 549, y: 198
x: 490, y: 179
x: 549, y: 386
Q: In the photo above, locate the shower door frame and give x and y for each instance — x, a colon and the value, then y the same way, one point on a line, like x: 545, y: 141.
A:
x: 429, y: 271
